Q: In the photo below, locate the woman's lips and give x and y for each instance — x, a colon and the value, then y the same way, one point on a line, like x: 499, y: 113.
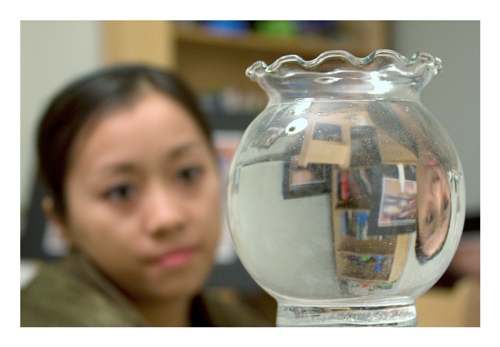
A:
x: 177, y: 258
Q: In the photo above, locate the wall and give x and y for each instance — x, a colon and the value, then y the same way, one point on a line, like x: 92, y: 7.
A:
x: 52, y: 53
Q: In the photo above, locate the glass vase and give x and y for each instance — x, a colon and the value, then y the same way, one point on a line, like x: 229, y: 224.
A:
x: 345, y: 196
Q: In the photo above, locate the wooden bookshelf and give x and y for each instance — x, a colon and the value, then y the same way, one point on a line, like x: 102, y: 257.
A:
x: 209, y: 61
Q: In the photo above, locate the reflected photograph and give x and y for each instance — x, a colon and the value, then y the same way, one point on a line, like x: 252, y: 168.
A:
x: 394, y: 199
x: 398, y: 205
x: 301, y: 181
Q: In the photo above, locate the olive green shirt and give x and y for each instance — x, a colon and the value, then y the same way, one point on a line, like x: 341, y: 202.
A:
x: 73, y: 293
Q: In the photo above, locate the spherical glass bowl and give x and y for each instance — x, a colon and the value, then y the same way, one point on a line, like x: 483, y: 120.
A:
x: 345, y: 195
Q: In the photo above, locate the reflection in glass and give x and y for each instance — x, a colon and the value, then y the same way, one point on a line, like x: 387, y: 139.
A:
x: 345, y: 204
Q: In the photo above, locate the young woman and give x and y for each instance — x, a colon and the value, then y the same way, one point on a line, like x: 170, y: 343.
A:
x: 133, y: 180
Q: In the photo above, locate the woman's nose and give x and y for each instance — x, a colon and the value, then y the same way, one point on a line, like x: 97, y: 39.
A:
x: 163, y: 212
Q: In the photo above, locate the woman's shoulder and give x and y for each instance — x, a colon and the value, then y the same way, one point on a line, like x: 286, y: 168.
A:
x: 227, y: 308
x: 55, y: 297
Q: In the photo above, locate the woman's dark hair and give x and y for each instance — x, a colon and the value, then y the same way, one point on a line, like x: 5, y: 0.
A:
x: 74, y: 106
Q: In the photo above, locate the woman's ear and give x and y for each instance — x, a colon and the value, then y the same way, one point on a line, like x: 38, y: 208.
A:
x: 54, y: 217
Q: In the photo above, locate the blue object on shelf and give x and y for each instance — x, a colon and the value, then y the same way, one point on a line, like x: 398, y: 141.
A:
x: 227, y: 27
x: 378, y: 268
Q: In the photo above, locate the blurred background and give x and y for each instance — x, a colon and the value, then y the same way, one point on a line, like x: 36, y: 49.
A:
x: 212, y: 57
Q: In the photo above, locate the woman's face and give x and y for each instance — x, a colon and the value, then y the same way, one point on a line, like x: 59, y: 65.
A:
x: 142, y: 195
x: 433, y: 205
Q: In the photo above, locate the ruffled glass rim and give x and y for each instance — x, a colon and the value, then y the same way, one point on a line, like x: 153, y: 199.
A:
x: 328, y: 62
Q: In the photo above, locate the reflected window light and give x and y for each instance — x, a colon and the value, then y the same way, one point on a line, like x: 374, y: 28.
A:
x: 379, y: 86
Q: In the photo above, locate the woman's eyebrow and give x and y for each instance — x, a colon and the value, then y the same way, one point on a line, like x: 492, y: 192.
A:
x: 179, y: 150
x: 128, y: 167
x: 120, y: 167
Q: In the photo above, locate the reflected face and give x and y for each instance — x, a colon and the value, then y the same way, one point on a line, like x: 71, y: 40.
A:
x: 143, y: 199
x: 433, y: 206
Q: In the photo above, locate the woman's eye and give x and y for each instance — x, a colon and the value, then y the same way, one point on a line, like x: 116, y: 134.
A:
x: 120, y: 192
x: 430, y: 218
x: 190, y: 174
x: 446, y: 203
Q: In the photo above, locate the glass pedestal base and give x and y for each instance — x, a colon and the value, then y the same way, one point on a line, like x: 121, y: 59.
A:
x: 370, y: 316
